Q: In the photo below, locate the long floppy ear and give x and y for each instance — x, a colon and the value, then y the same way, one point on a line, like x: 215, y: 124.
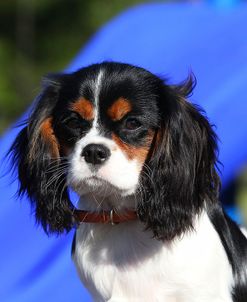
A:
x: 36, y: 155
x: 181, y: 166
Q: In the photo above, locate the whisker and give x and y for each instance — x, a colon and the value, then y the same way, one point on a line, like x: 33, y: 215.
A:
x: 61, y: 193
x: 53, y: 178
x: 56, y: 189
x: 57, y: 168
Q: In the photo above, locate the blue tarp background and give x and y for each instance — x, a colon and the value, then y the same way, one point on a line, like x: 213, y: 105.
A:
x: 169, y: 40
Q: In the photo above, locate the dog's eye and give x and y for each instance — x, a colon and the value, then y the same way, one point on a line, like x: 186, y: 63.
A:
x: 132, y: 124
x: 73, y: 123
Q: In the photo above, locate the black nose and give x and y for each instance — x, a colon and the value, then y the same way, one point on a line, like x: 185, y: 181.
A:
x: 95, y: 154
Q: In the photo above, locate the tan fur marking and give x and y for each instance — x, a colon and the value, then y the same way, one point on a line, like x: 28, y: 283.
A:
x: 49, y: 137
x: 84, y: 108
x: 119, y: 109
x: 138, y: 153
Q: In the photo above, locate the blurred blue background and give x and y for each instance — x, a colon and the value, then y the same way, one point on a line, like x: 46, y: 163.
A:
x: 170, y: 40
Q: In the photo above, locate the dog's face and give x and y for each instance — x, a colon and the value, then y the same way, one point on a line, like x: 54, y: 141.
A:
x: 105, y: 129
x: 117, y: 129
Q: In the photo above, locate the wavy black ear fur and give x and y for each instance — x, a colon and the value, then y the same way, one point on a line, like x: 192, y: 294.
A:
x: 181, y: 166
x: 37, y: 159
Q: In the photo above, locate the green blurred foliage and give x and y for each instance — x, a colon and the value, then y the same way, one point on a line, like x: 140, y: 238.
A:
x: 41, y: 36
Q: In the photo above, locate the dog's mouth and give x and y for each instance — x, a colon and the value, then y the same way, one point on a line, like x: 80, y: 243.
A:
x: 94, y: 184
x: 99, y: 187
x: 95, y: 181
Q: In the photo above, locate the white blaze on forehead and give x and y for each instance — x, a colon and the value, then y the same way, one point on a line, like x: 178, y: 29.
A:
x: 119, y: 171
x: 97, y: 87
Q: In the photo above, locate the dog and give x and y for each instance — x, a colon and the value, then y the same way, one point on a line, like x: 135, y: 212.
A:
x: 143, y: 159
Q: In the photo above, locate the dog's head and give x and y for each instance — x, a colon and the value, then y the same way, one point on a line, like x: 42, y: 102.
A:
x: 119, y: 128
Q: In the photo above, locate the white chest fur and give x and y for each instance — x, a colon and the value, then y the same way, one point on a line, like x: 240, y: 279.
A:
x: 124, y: 263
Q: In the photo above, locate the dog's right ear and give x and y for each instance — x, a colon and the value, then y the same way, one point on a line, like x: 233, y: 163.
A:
x: 36, y: 156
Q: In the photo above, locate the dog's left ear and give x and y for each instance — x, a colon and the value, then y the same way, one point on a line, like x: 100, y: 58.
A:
x: 181, y: 166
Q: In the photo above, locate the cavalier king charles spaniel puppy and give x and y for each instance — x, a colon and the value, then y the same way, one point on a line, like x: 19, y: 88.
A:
x: 142, y: 158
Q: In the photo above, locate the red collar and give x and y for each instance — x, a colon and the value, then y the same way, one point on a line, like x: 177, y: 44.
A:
x: 104, y: 216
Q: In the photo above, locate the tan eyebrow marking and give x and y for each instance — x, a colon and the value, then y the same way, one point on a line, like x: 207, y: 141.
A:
x: 47, y: 133
x: 119, y: 109
x: 84, y: 107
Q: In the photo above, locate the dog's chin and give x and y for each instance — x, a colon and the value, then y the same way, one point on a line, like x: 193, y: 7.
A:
x: 100, y: 187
